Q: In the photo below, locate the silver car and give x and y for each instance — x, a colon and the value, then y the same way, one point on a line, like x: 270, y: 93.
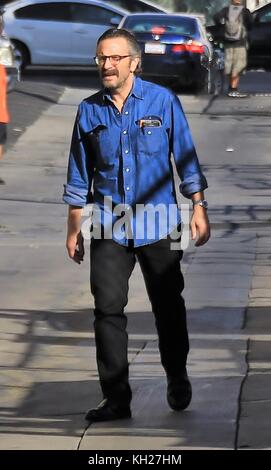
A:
x: 58, y: 32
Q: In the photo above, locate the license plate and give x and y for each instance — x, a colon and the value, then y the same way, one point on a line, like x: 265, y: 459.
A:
x: 155, y: 48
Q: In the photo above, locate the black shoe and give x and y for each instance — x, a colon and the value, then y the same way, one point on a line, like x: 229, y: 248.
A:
x: 2, y: 181
x: 179, y: 392
x: 108, y: 412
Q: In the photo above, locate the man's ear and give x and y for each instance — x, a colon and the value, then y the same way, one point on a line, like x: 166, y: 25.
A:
x: 134, y: 64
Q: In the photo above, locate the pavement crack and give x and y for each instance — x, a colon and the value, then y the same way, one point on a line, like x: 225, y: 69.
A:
x: 83, y: 435
x: 31, y: 201
x: 239, y: 411
x: 139, y: 351
x: 89, y: 424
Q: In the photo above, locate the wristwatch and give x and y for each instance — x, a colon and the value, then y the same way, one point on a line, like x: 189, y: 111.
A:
x: 201, y: 202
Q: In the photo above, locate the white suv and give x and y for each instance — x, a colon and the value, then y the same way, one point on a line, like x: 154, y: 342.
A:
x: 58, y: 32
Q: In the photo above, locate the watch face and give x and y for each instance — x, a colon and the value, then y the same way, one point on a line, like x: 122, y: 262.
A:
x: 204, y: 204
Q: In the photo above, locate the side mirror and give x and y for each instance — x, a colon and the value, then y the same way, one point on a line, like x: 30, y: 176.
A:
x: 256, y: 19
x: 115, y: 21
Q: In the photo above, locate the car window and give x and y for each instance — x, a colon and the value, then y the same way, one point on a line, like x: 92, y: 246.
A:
x: 45, y: 12
x: 186, y: 26
x: 133, y: 6
x: 265, y: 17
x: 202, y: 30
x: 122, y: 4
x: 83, y: 13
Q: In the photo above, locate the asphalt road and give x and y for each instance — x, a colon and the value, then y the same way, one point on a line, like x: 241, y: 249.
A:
x: 27, y: 102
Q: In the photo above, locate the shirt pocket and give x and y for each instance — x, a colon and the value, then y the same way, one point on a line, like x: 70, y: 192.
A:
x: 150, y: 140
x: 106, y: 154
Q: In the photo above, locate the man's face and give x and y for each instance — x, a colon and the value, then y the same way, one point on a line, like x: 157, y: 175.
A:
x: 115, y: 75
x: 237, y: 2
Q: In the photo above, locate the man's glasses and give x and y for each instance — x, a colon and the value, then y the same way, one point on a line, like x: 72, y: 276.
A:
x: 114, y: 59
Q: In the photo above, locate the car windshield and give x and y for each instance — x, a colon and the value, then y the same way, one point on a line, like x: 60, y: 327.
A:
x: 162, y: 25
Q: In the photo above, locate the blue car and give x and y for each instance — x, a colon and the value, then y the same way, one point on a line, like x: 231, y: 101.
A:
x: 176, y: 50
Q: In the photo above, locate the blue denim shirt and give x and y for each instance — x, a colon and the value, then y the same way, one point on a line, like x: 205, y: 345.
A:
x: 124, y: 167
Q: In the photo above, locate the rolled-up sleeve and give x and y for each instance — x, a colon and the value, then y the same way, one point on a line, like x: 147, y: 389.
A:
x: 184, y: 153
x: 77, y: 191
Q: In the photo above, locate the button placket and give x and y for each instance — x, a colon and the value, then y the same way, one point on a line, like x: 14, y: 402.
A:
x: 127, y: 157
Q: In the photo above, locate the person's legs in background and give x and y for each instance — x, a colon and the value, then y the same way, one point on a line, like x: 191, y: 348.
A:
x: 235, y: 64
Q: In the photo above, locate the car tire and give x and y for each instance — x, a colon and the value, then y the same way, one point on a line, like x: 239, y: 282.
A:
x: 21, y: 54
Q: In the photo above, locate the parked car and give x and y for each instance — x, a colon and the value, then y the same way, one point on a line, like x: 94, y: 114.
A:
x: 137, y: 6
x: 259, y: 54
x: 7, y: 57
x: 58, y: 32
x: 176, y: 49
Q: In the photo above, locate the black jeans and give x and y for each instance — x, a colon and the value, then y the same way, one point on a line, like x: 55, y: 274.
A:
x: 111, y: 268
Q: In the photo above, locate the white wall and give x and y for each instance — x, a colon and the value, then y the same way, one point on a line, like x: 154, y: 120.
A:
x: 252, y: 4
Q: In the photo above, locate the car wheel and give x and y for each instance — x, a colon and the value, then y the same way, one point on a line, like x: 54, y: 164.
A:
x: 21, y: 54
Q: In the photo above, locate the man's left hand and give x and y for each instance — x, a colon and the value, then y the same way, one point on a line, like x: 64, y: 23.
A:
x: 199, y: 226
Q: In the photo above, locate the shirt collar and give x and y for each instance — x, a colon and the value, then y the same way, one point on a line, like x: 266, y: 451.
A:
x: 137, y: 90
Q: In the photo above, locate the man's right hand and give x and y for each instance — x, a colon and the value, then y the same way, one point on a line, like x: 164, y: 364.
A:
x: 75, y: 247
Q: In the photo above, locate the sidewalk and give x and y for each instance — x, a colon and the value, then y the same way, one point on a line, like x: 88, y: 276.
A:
x: 48, y: 366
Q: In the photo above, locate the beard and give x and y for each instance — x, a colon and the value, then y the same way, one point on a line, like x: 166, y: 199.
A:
x: 109, y: 73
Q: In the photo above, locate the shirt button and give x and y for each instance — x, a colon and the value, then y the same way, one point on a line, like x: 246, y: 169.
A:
x: 124, y: 132
x: 126, y: 151
x: 127, y: 169
x: 126, y: 112
x: 149, y: 132
x: 127, y: 189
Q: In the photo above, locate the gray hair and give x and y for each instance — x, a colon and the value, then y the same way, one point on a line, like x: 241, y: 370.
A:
x: 130, y: 38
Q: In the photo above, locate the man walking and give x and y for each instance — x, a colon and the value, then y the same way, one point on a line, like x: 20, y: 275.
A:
x: 236, y: 21
x: 122, y: 143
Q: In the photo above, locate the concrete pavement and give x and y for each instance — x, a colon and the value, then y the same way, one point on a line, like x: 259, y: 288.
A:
x: 48, y: 369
